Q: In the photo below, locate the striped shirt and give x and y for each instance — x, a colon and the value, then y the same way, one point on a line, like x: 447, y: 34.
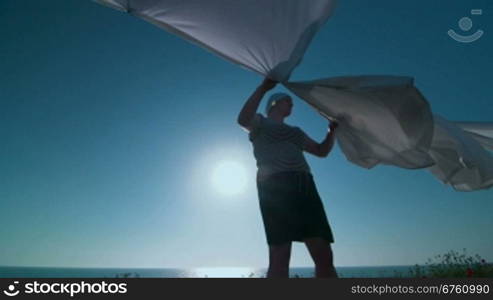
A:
x: 277, y: 147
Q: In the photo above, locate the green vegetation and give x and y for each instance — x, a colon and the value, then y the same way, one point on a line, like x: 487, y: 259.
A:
x: 453, y: 265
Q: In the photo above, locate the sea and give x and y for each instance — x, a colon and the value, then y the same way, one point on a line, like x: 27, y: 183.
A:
x: 240, y: 272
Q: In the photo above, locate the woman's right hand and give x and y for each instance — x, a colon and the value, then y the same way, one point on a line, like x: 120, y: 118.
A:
x: 268, y: 84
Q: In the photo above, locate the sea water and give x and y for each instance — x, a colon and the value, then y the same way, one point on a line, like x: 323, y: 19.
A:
x: 241, y: 272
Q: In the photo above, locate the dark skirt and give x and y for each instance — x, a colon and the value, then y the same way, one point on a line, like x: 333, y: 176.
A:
x: 292, y: 209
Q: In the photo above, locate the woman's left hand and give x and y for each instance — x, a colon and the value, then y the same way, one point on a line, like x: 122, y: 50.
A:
x: 333, y: 125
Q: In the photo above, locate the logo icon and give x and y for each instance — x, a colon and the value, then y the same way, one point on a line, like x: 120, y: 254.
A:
x: 11, y: 290
x: 465, y: 24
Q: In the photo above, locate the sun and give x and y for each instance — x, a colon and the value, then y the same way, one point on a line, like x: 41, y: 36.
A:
x: 229, y: 178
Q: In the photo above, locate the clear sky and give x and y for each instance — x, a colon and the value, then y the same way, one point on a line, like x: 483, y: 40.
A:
x: 112, y: 130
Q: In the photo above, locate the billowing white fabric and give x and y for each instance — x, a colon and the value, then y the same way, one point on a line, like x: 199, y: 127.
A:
x: 270, y: 37
x: 385, y: 119
x: 382, y: 119
x: 267, y: 36
x: 480, y: 131
x: 461, y: 160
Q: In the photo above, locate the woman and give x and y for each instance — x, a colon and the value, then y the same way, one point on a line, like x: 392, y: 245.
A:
x: 289, y: 202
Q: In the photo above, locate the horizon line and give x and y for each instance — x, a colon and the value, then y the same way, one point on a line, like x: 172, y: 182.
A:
x: 213, y: 267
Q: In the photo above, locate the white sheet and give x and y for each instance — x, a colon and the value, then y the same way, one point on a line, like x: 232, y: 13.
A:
x: 480, y: 131
x: 460, y: 159
x: 383, y: 119
x: 267, y: 36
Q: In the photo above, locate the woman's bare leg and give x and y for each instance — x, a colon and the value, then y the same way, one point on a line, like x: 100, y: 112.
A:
x: 322, y: 256
x: 279, y: 256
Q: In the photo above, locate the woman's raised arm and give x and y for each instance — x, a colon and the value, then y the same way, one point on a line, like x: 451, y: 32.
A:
x: 251, y: 105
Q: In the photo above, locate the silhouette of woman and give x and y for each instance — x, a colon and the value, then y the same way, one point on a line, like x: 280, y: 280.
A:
x: 289, y: 202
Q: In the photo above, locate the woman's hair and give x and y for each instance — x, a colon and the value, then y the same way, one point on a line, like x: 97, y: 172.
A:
x: 273, y: 100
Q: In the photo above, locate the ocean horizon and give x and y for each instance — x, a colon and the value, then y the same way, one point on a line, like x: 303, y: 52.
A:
x: 213, y: 272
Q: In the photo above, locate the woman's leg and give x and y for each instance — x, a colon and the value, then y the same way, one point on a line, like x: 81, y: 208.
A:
x: 321, y: 254
x: 279, y: 256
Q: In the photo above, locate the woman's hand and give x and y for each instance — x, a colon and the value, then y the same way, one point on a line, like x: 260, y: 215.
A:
x: 333, y: 125
x: 268, y: 84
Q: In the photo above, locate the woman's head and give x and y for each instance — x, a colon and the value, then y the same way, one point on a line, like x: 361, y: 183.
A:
x: 280, y: 103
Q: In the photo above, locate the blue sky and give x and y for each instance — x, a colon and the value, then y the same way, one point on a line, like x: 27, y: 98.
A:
x: 111, y: 130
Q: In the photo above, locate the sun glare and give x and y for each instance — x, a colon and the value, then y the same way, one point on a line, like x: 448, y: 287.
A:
x: 229, y: 178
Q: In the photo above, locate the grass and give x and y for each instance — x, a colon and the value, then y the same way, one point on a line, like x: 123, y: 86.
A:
x: 453, y: 265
